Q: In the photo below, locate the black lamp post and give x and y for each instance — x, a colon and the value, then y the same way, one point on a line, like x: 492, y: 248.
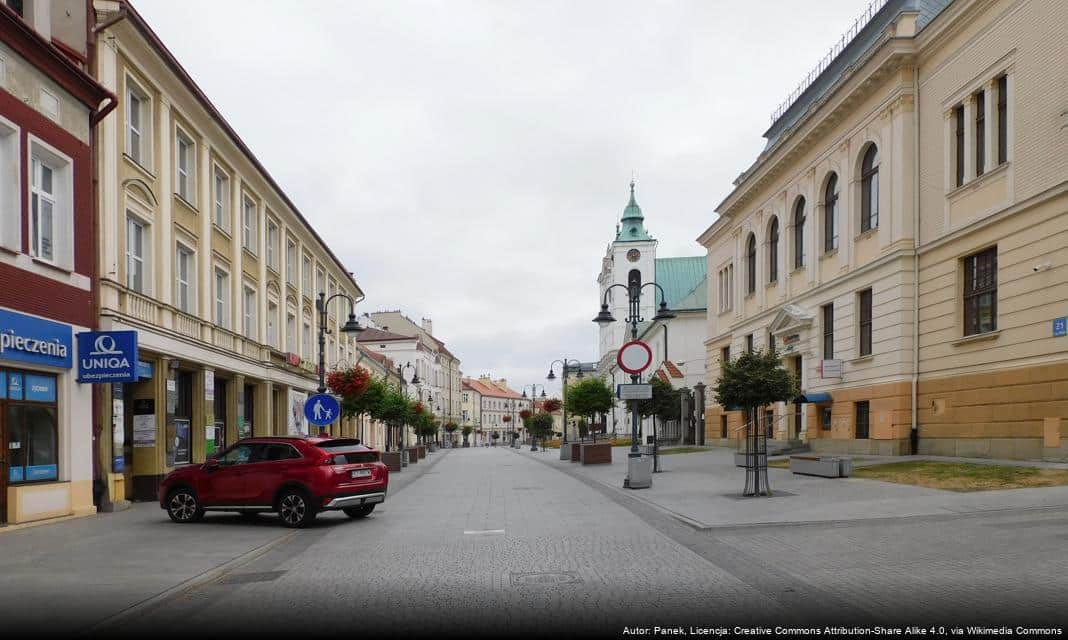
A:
x: 533, y: 393
x: 634, y: 316
x: 566, y: 366
x: 351, y: 326
x: 415, y: 380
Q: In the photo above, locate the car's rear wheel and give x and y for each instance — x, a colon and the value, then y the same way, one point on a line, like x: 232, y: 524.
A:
x: 361, y: 511
x: 184, y: 506
x: 295, y: 508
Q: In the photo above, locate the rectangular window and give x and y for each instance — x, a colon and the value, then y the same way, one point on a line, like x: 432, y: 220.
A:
x: 272, y: 324
x: 980, y: 133
x: 1003, y: 122
x: 250, y: 239
x: 221, y: 196
x: 183, y: 276
x: 272, y: 244
x: 291, y: 261
x: 135, y: 255
x: 306, y: 341
x: 320, y: 276
x: 749, y: 343
x: 291, y: 331
x: 185, y: 162
x: 723, y: 426
x: 826, y: 418
x: 771, y: 342
x: 249, y: 327
x: 138, y: 124
x: 862, y: 420
x: 222, y: 298
x: 32, y: 437
x: 828, y: 331
x: 42, y: 211
x: 306, y: 273
x: 864, y: 303
x: 958, y: 117
x: 724, y: 357
x: 981, y: 292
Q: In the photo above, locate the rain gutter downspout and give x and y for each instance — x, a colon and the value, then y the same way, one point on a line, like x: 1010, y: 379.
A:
x: 914, y: 434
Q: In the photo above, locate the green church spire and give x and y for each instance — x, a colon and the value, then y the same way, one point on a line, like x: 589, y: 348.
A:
x: 632, y: 226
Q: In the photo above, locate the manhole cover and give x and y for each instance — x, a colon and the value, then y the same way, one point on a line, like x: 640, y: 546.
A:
x: 241, y: 578
x: 544, y: 579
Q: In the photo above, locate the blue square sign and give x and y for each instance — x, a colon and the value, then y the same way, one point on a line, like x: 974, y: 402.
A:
x: 1060, y: 327
x: 107, y: 356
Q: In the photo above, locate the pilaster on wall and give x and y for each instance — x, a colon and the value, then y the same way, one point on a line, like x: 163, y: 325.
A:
x: 263, y: 415
x: 235, y: 408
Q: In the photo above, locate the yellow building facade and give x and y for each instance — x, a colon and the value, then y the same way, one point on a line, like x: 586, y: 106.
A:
x: 207, y: 259
x: 901, y: 240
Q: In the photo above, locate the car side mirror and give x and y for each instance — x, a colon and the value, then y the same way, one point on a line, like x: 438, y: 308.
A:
x: 211, y: 464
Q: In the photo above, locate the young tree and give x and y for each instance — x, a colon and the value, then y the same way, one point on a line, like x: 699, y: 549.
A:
x: 663, y: 406
x: 588, y: 398
x: 753, y: 381
x: 540, y: 425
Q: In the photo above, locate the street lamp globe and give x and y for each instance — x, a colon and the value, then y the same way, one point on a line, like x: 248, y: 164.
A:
x: 605, y: 316
x: 352, y: 326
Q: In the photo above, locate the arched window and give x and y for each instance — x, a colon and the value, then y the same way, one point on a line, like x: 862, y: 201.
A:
x: 634, y: 282
x: 799, y: 233
x: 869, y: 190
x: 750, y: 264
x: 773, y: 251
x: 830, y: 214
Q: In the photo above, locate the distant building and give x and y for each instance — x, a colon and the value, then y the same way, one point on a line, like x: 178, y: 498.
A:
x: 488, y: 402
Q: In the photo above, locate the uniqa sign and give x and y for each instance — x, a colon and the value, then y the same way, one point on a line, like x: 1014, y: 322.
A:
x: 107, y: 356
x: 25, y: 338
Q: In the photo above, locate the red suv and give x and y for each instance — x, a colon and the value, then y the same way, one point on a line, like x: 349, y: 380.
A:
x: 295, y: 477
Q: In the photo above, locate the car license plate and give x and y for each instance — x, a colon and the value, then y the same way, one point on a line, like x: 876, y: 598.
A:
x: 361, y: 473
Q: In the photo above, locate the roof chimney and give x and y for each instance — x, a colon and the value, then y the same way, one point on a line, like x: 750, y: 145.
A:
x: 428, y: 326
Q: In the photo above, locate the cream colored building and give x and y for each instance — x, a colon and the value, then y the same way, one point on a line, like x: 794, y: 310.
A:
x: 902, y: 238
x: 206, y: 257
x: 493, y: 407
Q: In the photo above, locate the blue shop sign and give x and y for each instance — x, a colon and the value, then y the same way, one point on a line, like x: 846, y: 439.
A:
x: 25, y: 338
x: 1060, y: 327
x: 3, y: 385
x: 107, y: 356
x: 40, y: 388
x: 14, y: 386
x: 144, y: 369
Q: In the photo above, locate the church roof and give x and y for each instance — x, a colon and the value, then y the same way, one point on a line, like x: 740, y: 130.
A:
x: 632, y: 225
x: 683, y: 280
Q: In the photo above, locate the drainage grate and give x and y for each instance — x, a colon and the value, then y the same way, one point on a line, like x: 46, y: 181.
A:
x: 242, y: 578
x: 775, y: 493
x: 544, y: 579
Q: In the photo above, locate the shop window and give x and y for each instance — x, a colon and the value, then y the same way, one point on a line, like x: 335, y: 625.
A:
x: 862, y: 420
x: 29, y: 414
x: 183, y: 414
x: 825, y: 418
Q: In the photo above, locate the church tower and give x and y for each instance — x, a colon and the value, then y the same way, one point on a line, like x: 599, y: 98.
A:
x: 630, y: 257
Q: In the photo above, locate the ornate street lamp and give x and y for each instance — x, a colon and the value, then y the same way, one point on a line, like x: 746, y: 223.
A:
x: 566, y: 365
x: 533, y: 393
x: 351, y: 326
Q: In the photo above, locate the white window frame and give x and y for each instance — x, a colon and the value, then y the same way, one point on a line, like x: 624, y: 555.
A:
x: 10, y: 191
x: 189, y: 283
x: 308, y: 274
x: 187, y: 188
x: 291, y: 260
x: 62, y: 199
x: 144, y: 260
x: 220, y: 205
x: 306, y: 349
x: 291, y: 329
x: 272, y: 322
x: 222, y: 297
x: 249, y: 299
x: 320, y: 280
x: 141, y: 152
x: 249, y: 217
x: 272, y: 243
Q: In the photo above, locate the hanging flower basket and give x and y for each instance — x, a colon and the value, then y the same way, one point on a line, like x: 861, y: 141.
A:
x: 506, y: 419
x: 348, y: 383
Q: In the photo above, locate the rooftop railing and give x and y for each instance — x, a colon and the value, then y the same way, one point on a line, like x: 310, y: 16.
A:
x: 825, y: 62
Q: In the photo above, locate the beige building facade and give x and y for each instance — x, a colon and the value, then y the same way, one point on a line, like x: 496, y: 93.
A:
x: 204, y: 255
x: 901, y: 239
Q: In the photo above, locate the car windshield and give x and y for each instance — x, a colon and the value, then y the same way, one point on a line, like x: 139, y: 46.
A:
x: 348, y: 451
x: 334, y: 446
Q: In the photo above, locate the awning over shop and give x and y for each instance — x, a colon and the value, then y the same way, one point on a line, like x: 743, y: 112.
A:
x: 813, y: 397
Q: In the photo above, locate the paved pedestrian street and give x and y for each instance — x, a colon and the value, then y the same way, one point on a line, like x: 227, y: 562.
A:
x: 489, y: 541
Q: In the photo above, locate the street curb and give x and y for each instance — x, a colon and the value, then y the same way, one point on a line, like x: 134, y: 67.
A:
x: 211, y: 575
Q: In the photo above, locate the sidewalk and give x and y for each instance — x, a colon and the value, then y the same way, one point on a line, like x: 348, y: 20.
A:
x: 705, y: 491
x: 115, y: 561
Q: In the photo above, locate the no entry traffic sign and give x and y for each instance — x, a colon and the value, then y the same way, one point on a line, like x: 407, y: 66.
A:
x: 634, y: 357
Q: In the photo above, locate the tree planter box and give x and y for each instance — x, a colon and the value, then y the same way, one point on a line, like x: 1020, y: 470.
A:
x: 392, y: 460
x: 823, y: 466
x: 576, y: 451
x: 413, y: 455
x: 565, y: 451
x: 596, y: 453
x: 422, y: 451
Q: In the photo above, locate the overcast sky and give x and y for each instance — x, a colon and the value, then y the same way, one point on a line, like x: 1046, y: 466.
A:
x: 468, y: 161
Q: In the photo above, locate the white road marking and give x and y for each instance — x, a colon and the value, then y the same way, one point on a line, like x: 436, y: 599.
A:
x: 483, y: 532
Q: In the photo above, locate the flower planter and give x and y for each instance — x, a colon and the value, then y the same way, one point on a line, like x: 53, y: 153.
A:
x: 422, y: 451
x: 596, y: 453
x: 576, y: 451
x: 392, y: 460
x: 413, y: 455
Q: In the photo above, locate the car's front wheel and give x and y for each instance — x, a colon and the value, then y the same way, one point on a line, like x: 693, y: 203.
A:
x: 183, y: 505
x: 295, y: 508
x: 361, y: 511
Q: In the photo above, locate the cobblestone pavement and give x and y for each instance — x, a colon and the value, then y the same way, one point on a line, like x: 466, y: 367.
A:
x: 493, y: 541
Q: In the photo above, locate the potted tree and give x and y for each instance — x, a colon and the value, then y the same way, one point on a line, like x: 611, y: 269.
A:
x: 466, y: 430
x: 525, y: 416
x: 587, y: 398
x: 450, y: 428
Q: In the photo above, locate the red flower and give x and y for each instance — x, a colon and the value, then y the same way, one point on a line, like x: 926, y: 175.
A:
x: 506, y: 419
x: 525, y: 413
x: 418, y: 408
x: 348, y: 383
